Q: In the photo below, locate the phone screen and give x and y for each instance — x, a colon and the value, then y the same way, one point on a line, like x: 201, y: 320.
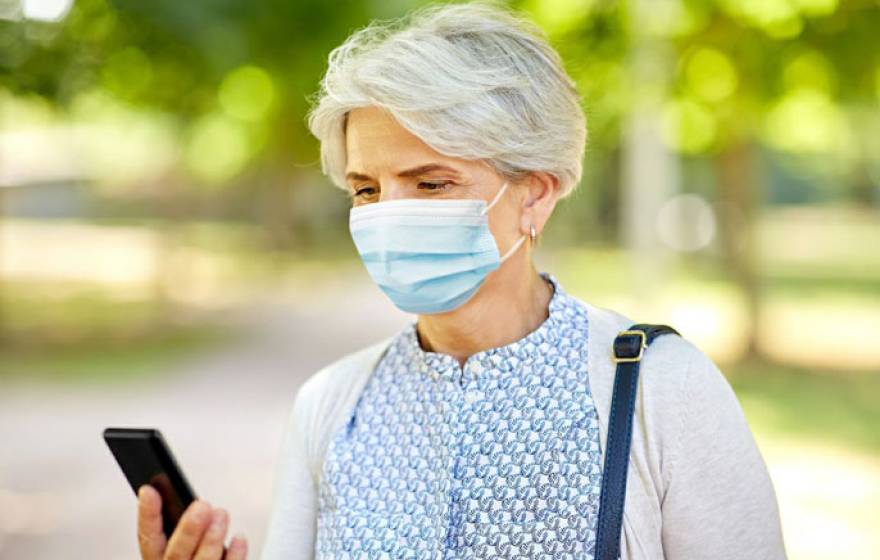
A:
x: 145, y: 458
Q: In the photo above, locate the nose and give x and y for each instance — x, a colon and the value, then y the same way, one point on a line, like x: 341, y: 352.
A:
x: 391, y: 190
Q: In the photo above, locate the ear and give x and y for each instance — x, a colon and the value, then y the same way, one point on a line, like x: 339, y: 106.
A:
x: 542, y: 192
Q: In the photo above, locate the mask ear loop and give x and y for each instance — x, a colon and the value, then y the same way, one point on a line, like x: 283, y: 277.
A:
x: 487, y: 208
x: 495, y: 199
x: 514, y: 248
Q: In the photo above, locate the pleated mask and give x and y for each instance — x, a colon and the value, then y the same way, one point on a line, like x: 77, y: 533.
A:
x: 428, y: 255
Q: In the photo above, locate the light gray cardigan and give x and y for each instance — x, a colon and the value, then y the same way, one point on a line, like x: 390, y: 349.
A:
x: 697, y: 485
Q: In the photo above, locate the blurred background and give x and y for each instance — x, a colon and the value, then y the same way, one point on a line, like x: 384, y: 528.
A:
x: 171, y: 256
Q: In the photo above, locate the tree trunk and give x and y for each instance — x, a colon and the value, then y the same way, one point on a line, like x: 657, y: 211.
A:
x: 650, y: 177
x: 276, y: 211
x: 3, y: 332
x: 650, y: 171
x: 170, y: 208
x: 737, y: 206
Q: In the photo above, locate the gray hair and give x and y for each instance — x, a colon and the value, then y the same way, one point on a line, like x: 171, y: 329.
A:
x: 471, y: 80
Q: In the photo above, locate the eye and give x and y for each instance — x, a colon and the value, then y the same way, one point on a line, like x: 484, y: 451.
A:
x: 435, y: 186
x: 359, y: 192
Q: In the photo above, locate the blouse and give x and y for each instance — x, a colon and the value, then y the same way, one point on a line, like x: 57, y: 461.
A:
x: 496, y: 459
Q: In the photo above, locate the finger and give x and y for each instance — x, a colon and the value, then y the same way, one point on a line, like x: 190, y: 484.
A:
x: 237, y: 548
x: 188, y: 533
x: 211, y: 546
x: 151, y: 538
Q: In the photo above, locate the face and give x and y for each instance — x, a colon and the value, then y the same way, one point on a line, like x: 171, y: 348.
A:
x: 387, y: 162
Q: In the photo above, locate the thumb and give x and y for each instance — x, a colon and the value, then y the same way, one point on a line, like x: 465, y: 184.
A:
x: 151, y: 536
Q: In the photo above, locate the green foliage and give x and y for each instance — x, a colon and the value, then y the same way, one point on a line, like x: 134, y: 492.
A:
x: 800, y: 76
x: 234, y: 74
x: 810, y: 404
x: 101, y: 363
x: 57, y: 332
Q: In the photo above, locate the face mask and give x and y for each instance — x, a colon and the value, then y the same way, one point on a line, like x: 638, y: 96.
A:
x: 428, y: 255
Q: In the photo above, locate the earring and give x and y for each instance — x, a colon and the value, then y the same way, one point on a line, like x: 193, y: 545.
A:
x: 533, y: 235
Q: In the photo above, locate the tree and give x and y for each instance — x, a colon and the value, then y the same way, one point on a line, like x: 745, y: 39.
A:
x: 798, y: 77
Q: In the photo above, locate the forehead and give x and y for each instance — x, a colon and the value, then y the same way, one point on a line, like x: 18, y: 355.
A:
x: 378, y: 148
x: 374, y: 140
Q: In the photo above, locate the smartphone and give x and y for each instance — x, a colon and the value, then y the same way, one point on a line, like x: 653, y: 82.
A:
x: 145, y: 458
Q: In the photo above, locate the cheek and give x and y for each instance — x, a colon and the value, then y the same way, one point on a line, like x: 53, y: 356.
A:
x: 504, y: 224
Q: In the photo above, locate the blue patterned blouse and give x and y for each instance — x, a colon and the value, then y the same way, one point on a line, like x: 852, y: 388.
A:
x: 499, y: 459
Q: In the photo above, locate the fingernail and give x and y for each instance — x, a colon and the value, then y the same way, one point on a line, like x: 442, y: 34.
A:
x: 219, y: 520
x: 203, y: 511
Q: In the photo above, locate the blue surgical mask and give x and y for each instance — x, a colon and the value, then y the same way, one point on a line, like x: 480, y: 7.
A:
x: 428, y: 255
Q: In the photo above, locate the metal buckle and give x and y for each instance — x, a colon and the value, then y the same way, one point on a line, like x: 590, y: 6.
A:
x: 644, y: 344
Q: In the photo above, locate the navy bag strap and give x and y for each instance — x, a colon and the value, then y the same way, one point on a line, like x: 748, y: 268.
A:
x: 629, y: 345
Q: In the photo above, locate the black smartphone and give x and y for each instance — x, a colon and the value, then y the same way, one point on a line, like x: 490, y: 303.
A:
x: 145, y: 458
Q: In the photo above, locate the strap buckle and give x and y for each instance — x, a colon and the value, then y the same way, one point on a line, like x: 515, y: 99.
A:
x: 643, y: 343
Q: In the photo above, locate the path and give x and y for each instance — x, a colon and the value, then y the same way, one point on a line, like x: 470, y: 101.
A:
x: 61, y: 493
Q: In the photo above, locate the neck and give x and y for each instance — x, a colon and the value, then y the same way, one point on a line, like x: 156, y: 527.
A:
x: 512, y: 302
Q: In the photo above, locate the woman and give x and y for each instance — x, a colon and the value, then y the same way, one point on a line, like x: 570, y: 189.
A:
x: 479, y: 429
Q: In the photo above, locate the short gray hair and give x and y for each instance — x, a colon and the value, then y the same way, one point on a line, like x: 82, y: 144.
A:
x: 472, y: 80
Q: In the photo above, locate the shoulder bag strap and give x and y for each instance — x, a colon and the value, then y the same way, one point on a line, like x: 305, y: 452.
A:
x: 629, y: 345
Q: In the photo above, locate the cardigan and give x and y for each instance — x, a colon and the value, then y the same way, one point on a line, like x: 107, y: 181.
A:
x: 697, y: 484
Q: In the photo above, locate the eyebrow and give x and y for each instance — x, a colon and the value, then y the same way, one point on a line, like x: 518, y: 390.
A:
x: 412, y: 172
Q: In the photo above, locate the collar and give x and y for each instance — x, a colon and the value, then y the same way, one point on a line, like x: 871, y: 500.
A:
x: 442, y: 365
x: 325, y: 412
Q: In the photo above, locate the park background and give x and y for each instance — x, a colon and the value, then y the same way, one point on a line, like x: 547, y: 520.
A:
x: 171, y: 256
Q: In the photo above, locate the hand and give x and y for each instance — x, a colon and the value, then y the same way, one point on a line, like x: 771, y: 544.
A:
x: 198, y: 536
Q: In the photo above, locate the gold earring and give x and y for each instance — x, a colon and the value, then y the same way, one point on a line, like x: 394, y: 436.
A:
x: 533, y: 235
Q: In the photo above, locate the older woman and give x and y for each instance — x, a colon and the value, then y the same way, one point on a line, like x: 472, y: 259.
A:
x: 479, y: 429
